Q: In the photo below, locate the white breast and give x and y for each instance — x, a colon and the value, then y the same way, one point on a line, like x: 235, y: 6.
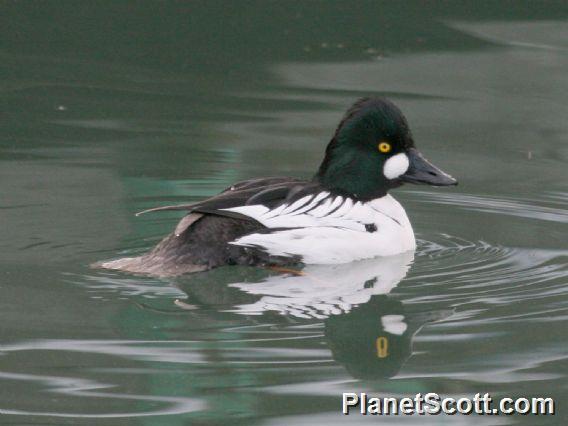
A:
x: 331, y: 229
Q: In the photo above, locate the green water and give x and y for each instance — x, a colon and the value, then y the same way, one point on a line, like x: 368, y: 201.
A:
x: 111, y: 108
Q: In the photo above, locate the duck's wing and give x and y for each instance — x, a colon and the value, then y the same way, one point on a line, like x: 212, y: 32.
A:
x: 238, y: 194
x: 267, y: 193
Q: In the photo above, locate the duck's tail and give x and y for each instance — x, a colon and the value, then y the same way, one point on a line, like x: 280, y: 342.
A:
x: 149, y: 264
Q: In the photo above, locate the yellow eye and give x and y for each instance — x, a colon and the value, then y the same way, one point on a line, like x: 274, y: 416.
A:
x: 384, y: 147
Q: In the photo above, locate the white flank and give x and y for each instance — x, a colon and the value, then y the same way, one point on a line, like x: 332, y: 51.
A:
x: 340, y: 237
x: 396, y: 165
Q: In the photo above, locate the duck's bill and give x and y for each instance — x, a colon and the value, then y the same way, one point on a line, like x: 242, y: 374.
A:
x: 421, y: 171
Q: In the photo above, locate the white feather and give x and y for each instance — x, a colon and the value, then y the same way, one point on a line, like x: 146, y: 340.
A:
x: 311, y: 204
x: 296, y: 204
x: 277, y: 211
x: 340, y: 237
x: 322, y: 209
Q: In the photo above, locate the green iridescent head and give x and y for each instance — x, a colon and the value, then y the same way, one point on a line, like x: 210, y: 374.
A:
x: 373, y: 151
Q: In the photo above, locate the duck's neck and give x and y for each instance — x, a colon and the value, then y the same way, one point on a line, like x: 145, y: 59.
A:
x: 347, y: 172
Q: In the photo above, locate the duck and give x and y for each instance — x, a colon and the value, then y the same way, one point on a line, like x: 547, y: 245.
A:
x: 343, y: 214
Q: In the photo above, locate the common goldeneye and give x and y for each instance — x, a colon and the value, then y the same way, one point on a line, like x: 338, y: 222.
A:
x: 343, y: 214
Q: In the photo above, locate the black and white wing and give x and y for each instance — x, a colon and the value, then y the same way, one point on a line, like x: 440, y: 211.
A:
x: 266, y: 192
x: 269, y: 190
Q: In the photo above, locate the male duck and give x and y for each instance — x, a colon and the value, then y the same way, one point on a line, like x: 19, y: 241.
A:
x: 343, y: 214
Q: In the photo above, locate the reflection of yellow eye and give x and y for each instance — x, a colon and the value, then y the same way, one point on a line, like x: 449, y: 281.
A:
x: 382, y: 344
x: 384, y: 147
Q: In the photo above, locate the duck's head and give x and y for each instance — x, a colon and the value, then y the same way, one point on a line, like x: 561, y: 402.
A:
x: 372, y: 151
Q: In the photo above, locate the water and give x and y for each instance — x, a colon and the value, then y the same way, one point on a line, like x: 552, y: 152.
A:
x: 108, y: 111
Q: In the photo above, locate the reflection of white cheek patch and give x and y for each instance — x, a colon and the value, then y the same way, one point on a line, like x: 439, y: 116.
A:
x: 394, y: 324
x: 396, y: 165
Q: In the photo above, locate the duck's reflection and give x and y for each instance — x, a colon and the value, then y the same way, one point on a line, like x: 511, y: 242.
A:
x: 368, y: 331
x: 374, y: 339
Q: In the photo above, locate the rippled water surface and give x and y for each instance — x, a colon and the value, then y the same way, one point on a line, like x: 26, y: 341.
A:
x: 108, y: 111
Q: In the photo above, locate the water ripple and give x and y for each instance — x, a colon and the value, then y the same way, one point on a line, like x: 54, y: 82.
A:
x: 78, y: 387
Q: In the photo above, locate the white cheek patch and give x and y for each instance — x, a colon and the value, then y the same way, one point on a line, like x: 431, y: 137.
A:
x: 396, y: 165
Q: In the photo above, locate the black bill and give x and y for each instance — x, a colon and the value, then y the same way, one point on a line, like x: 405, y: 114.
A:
x: 421, y: 171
